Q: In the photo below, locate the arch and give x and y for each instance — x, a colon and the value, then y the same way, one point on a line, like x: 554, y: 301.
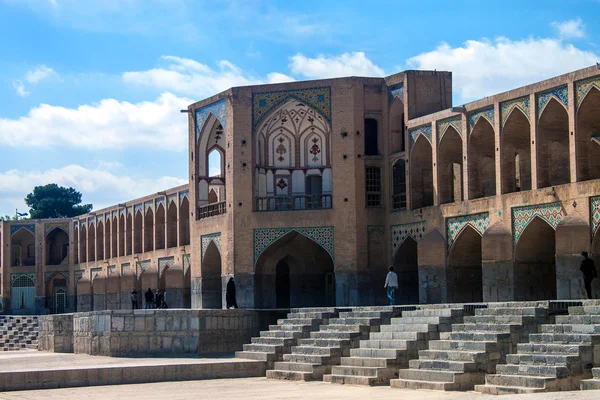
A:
x: 122, y: 235
x: 216, y: 163
x: 159, y: 228
x: 397, y: 137
x: 210, y: 134
x: 128, y: 234
x: 515, y: 153
x: 172, y: 225
x: 464, y: 274
x: 23, y: 294
x: 313, y: 145
x: 23, y: 248
x: 406, y: 266
x: 107, y: 238
x: 59, y: 300
x: 371, y: 137
x: 421, y: 173
x: 92, y: 243
x: 98, y: 292
x: 113, y: 290
x: 399, y: 185
x: 137, y: 233
x: 449, y: 155
x: 149, y: 230
x: 535, y: 262
x: 100, y: 241
x: 311, y: 273
x: 83, y: 243
x: 114, y: 224
x: 76, y: 244
x: 184, y: 222
x: 211, y: 278
x: 587, y: 149
x: 57, y: 247
x: 552, y: 146
x: 481, y: 160
x: 56, y: 304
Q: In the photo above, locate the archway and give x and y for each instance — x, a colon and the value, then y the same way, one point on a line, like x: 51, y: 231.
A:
x: 406, y: 266
x: 587, y: 137
x: 482, y: 164
x: 397, y: 126
x: 450, y: 167
x: 464, y: 275
x: 376, y: 263
x: 399, y: 185
x: 56, y: 294
x: 83, y: 244
x: 282, y: 284
x: 159, y: 229
x: 100, y: 241
x: 515, y: 146
x: 114, y: 237
x: 212, y: 292
x: 148, y: 231
x: 92, y: 243
x: 311, y: 273
x: 76, y: 244
x: 172, y: 282
x: 137, y: 233
x: 122, y: 235
x: 553, y: 165
x: 421, y: 174
x: 184, y: 222
x: 23, y: 295
x: 172, y: 225
x: 129, y: 235
x: 108, y: 239
x: 57, y: 247
x: 23, y: 248
x: 595, y: 255
x: 535, y: 263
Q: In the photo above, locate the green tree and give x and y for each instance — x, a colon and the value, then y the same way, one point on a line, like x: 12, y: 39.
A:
x: 53, y: 201
x: 7, y: 218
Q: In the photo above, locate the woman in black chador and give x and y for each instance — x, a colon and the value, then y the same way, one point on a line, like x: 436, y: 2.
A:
x: 230, y: 294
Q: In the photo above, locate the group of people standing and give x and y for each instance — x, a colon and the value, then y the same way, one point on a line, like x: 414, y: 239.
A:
x: 152, y: 300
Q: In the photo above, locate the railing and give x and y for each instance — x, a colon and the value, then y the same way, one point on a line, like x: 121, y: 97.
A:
x: 290, y: 203
x: 211, y: 210
x: 398, y: 202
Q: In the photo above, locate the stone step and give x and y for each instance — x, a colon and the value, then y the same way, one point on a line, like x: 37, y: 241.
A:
x: 533, y: 382
x: 354, y: 370
x: 312, y: 315
x: 318, y: 351
x: 543, y: 359
x: 289, y: 327
x: 409, y: 328
x: 563, y: 338
x: 456, y: 355
x: 487, y: 327
x: 311, y: 359
x: 594, y: 383
x: 275, y: 341
x: 353, y: 380
x: 497, y: 319
x: 499, y: 390
x: 300, y: 321
x: 294, y: 366
x: 436, y: 380
x: 290, y: 375
x: 572, y: 328
x: 584, y: 310
x: 479, y: 336
x: 364, y: 314
x: 264, y: 348
x: 442, y: 312
x: 256, y: 355
x: 551, y: 348
x: 551, y: 371
x: 374, y: 362
x: 421, y: 320
x: 403, y: 335
x: 326, y: 342
x: 334, y: 335
x: 384, y: 344
x: 284, y: 334
x: 525, y: 311
x: 443, y: 365
x: 364, y: 329
x: 376, y: 353
x: 355, y: 321
x: 578, y: 319
x: 463, y: 345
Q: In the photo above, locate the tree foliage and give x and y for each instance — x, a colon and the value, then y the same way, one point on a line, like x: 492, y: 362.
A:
x: 53, y: 201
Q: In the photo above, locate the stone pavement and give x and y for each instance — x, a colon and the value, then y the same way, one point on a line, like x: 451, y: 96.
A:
x: 261, y: 388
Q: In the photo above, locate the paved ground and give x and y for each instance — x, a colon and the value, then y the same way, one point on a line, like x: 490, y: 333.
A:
x: 261, y: 388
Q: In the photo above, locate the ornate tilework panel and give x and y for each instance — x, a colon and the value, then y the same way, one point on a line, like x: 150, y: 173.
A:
x: 559, y: 93
x: 15, y: 228
x: 129, y: 210
x: 124, y: 268
x: 62, y: 225
x: 142, y: 266
x: 94, y: 272
x: 138, y: 207
x: 16, y: 275
x: 444, y: 124
x: 595, y: 214
x: 455, y: 225
x: 263, y: 238
x: 487, y: 113
x: 206, y: 239
x: 371, y: 228
x: 522, y: 216
x: 107, y: 216
x: 522, y: 103
x: 186, y: 263
x: 265, y: 102
x: 111, y: 269
x: 148, y: 206
x: 49, y: 275
x: 164, y: 263
x: 596, y: 139
x: 100, y: 218
x: 77, y: 275
x: 91, y: 220
x: 171, y: 198
x: 424, y: 130
x: 75, y: 224
x: 415, y: 230
x: 582, y: 88
x: 396, y: 91
x: 182, y: 195
x: 159, y: 201
x: 115, y: 214
x: 218, y: 109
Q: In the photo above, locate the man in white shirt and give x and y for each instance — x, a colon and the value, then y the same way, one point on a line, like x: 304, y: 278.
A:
x: 391, y: 283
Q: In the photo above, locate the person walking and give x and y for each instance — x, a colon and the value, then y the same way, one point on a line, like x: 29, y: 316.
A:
x: 230, y: 294
x: 588, y: 267
x: 391, y: 283
x: 134, y: 299
x: 149, y: 299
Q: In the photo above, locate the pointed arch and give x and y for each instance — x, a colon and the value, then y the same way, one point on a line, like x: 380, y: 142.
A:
x: 449, y: 176
x: 57, y: 246
x: 406, y: 266
x: 137, y: 232
x: 83, y: 243
x: 399, y: 185
x: 397, y: 126
x: 172, y: 224
x: 108, y: 238
x: 515, y: 152
x: 587, y: 136
x: 159, y: 228
x: 211, y: 266
x: 149, y: 230
x: 552, y: 145
x: 464, y: 273
x: 184, y: 222
x: 76, y: 244
x: 92, y: 243
x: 421, y: 173
x: 100, y: 241
x: 482, y: 159
x: 128, y: 234
x: 23, y: 248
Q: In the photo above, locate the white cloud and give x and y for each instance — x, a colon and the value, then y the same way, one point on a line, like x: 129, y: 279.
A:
x: 482, y: 67
x: 346, y: 64
x: 39, y: 74
x: 189, y: 77
x: 108, y: 124
x: 100, y: 187
x: 20, y: 89
x: 571, y: 29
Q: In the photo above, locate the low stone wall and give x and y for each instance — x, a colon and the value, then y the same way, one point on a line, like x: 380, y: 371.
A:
x: 56, y: 333
x: 167, y: 332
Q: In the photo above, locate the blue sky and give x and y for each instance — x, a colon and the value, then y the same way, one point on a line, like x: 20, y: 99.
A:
x: 83, y: 82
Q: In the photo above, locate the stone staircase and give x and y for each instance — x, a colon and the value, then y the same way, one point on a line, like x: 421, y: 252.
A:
x: 556, y: 359
x: 279, y: 339
x: 314, y: 356
x: 471, y: 350
x: 378, y: 359
x: 594, y: 383
x: 18, y: 332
